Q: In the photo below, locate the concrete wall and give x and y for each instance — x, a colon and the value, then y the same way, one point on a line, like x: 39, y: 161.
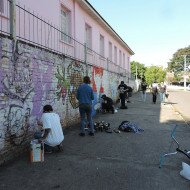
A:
x: 32, y: 77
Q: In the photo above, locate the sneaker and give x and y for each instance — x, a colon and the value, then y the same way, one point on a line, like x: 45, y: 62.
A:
x: 91, y: 134
x: 60, y: 147
x: 82, y: 134
x: 124, y: 107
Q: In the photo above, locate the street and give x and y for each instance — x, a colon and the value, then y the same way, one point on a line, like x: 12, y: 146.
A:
x: 111, y: 161
x: 180, y: 100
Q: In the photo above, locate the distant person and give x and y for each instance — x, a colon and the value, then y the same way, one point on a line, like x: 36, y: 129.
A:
x: 129, y: 93
x: 107, y: 104
x: 143, y: 89
x: 154, y: 93
x: 52, y: 133
x: 85, y: 96
x: 162, y: 92
x: 122, y: 88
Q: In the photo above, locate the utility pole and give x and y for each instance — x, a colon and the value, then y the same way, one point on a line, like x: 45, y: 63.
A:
x: 136, y: 71
x: 184, y: 75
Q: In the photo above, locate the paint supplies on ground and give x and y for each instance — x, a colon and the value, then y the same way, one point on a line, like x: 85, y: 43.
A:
x: 36, y: 151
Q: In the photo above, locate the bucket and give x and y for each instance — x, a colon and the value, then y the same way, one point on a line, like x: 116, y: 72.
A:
x: 36, y: 151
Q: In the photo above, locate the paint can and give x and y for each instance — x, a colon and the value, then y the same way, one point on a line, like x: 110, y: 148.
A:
x: 36, y: 151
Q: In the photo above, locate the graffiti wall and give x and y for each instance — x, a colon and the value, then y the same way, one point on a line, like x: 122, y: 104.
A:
x: 32, y: 77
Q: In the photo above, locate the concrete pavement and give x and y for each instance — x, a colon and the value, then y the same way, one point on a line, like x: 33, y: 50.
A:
x: 110, y: 161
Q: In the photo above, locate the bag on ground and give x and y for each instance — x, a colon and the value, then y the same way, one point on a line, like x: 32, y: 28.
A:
x: 185, y: 172
x: 128, y: 126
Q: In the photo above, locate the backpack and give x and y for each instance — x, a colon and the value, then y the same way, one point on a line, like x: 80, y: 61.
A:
x: 128, y: 126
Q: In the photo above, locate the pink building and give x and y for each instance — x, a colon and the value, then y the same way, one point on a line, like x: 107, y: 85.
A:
x: 45, y: 51
x: 65, y: 26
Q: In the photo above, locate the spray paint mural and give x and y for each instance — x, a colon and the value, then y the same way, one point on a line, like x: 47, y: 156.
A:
x: 32, y: 77
x: 15, y: 90
x: 62, y: 84
x: 75, y: 74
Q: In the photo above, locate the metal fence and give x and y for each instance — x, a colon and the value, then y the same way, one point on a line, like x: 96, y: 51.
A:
x: 32, y: 28
x: 4, y: 17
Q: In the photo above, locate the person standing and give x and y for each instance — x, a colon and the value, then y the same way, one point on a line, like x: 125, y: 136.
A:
x: 154, y: 93
x: 85, y: 96
x: 143, y: 88
x: 162, y: 92
x: 122, y: 88
x: 129, y: 93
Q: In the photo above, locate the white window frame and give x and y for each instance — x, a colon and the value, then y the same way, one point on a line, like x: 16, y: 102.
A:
x: 115, y: 54
x: 2, y: 7
x: 102, y: 45
x: 110, y: 51
x: 120, y: 58
x: 65, y: 24
x: 124, y: 60
x: 88, y: 36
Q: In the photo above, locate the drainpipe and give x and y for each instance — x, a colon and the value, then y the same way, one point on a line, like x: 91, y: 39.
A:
x: 107, y: 64
x: 85, y: 58
x: 13, y: 19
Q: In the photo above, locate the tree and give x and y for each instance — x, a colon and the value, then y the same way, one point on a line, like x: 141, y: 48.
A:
x: 176, y: 64
x: 140, y: 69
x: 155, y: 74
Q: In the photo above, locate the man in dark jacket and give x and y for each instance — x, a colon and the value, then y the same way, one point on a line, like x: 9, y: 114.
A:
x: 107, y: 104
x: 129, y: 93
x: 122, y: 88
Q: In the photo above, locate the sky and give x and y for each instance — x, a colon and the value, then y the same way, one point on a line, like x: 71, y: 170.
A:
x: 153, y: 29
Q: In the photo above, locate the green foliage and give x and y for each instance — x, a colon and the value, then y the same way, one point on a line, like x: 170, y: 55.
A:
x: 154, y: 74
x: 140, y: 69
x: 176, y: 64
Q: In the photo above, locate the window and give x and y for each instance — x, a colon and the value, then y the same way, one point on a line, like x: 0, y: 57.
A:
x: 1, y: 6
x: 65, y: 25
x: 127, y: 63
x: 124, y: 61
x: 88, y: 36
x: 102, y: 45
x: 120, y: 58
x: 110, y: 51
x: 115, y: 54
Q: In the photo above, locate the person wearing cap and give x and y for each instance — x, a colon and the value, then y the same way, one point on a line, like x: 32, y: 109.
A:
x: 107, y: 104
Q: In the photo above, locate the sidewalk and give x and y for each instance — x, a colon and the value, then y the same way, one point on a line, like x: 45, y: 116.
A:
x: 110, y: 161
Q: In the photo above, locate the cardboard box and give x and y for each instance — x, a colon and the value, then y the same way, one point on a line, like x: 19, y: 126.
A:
x: 36, y: 151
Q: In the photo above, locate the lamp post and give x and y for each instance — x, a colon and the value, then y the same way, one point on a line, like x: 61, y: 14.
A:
x: 136, y: 71
x: 184, y: 75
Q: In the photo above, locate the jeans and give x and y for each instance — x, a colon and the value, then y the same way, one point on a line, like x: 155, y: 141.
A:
x: 162, y: 96
x: 86, y: 110
x: 143, y: 94
x: 122, y: 97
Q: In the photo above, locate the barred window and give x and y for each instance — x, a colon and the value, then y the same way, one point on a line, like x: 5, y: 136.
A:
x: 65, y: 25
x: 110, y: 51
x: 88, y: 36
x: 1, y: 6
x: 101, y: 45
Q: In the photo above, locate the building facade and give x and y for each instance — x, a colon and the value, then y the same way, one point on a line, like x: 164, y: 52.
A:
x: 45, y: 52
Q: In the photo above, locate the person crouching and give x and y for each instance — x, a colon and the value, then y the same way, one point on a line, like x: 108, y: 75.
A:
x: 107, y: 104
x: 52, y: 133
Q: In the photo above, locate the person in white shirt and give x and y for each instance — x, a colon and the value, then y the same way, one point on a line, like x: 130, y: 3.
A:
x: 52, y: 134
